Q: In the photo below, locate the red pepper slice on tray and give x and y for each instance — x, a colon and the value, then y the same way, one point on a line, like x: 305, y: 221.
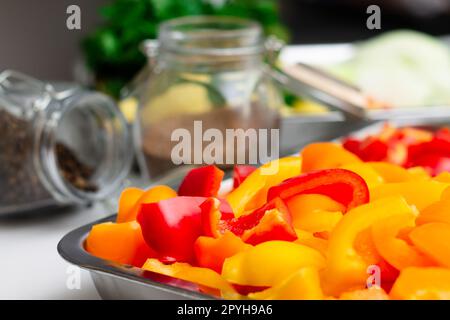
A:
x: 172, y: 226
x: 240, y: 173
x: 201, y: 182
x: 341, y: 185
x: 433, y: 155
x: 270, y: 222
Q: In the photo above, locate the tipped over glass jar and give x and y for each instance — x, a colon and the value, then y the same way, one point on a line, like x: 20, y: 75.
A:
x: 58, y: 148
x: 206, y: 72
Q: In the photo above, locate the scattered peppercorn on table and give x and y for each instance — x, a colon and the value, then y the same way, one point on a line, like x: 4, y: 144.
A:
x: 368, y: 219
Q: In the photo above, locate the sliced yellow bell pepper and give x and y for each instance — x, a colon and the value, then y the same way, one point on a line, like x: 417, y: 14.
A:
x: 303, y: 284
x: 443, y: 177
x: 396, y: 251
x: 184, y: 271
x: 422, y: 284
x: 252, y: 193
x: 369, y: 174
x: 346, y: 264
x: 390, y: 172
x: 419, y: 173
x: 437, y: 212
x: 418, y: 193
x: 269, y: 263
x: 308, y: 239
x: 372, y: 293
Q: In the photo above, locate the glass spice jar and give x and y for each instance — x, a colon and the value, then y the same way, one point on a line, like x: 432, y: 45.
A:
x: 58, y: 147
x: 208, y: 70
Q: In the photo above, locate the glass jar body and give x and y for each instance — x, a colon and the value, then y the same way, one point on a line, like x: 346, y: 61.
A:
x: 201, y: 94
x: 59, y: 147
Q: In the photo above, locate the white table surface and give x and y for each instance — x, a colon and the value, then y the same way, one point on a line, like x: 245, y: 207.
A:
x: 30, y: 266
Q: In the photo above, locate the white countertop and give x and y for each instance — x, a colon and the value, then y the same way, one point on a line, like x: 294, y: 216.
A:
x: 31, y: 267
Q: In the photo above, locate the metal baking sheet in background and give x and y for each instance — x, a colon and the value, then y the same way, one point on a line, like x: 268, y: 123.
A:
x: 330, y: 54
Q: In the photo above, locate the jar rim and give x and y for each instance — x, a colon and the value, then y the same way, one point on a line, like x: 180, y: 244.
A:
x: 246, y: 34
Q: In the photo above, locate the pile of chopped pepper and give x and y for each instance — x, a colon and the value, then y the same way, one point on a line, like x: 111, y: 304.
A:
x: 322, y: 225
x: 407, y: 146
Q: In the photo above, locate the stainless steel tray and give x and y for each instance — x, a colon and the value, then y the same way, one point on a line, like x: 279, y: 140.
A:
x: 117, y: 281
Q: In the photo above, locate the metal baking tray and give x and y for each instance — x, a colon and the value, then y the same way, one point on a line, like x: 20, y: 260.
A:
x: 118, y: 281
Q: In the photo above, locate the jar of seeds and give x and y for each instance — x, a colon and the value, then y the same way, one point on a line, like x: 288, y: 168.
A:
x: 58, y: 148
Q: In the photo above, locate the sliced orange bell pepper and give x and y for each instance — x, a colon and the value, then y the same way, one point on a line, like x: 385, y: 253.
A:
x: 422, y: 284
x: 303, y: 284
x: 154, y: 194
x: 393, y: 249
x: 184, y: 271
x: 308, y: 239
x: 418, y: 193
x: 119, y: 242
x: 372, y: 293
x: 269, y: 263
x: 252, y: 192
x: 433, y: 239
x: 127, y: 200
x: 437, y: 212
x: 212, y: 252
x: 325, y: 155
x: 390, y: 172
x: 349, y: 252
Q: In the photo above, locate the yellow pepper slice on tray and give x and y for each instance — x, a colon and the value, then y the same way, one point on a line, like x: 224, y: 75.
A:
x: 433, y: 239
x: 395, y: 250
x: 418, y: 193
x: 252, y: 193
x: 350, y: 252
x: 184, y: 271
x: 422, y: 284
x: 303, y: 284
x: 269, y: 263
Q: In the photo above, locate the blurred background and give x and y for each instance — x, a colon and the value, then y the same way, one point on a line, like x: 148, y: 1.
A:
x: 35, y: 39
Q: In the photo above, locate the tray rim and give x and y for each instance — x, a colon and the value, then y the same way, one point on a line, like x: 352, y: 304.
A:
x: 71, y: 249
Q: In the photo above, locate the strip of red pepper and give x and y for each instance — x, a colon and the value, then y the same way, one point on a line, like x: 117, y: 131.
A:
x: 270, y: 222
x: 341, y: 185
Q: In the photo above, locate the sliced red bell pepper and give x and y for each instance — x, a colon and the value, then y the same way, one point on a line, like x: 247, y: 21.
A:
x: 270, y: 222
x: 275, y: 224
x: 171, y: 226
x: 433, y: 155
x: 343, y: 186
x: 214, y: 220
x: 240, y: 173
x: 201, y: 182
